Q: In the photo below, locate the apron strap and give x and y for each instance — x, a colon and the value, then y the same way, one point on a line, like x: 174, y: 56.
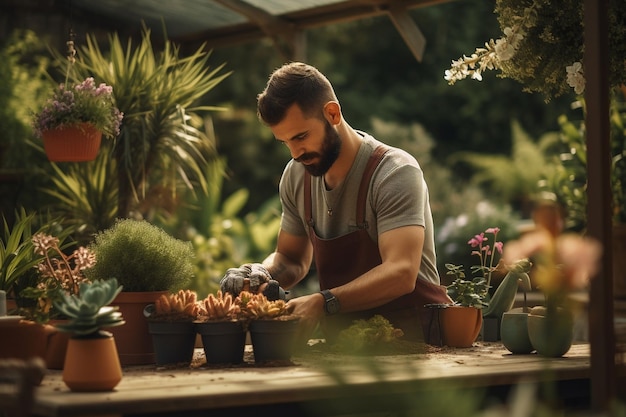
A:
x: 372, y: 164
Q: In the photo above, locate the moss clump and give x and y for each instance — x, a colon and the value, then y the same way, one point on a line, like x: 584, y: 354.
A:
x: 142, y: 256
x: 375, y: 336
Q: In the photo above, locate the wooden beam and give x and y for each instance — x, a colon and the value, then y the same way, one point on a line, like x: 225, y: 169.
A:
x: 599, y: 196
x: 279, y: 30
x: 409, y: 31
x: 339, y: 12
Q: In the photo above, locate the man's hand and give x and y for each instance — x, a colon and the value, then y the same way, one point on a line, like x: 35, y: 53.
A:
x: 233, y: 280
x: 310, y: 308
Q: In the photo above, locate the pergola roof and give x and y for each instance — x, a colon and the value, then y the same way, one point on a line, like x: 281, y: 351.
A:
x: 227, y: 22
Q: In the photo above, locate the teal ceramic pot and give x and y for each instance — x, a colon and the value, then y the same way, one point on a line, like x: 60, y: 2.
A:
x: 551, y: 335
x: 514, y: 332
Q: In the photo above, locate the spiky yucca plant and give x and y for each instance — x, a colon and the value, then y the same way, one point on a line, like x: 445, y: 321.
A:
x: 161, y: 144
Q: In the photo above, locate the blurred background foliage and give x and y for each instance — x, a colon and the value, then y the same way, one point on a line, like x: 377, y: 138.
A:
x: 483, y: 146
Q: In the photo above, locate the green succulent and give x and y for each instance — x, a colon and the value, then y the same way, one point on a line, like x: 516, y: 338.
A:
x: 89, y: 311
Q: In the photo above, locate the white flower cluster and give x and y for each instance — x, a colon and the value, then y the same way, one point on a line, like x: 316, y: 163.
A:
x: 489, y: 57
x: 576, y: 77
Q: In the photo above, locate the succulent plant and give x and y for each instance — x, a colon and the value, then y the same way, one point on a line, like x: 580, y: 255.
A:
x: 259, y: 307
x: 88, y: 311
x: 219, y: 307
x: 180, y: 306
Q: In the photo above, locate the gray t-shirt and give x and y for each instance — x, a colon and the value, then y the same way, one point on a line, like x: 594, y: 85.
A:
x: 397, y: 197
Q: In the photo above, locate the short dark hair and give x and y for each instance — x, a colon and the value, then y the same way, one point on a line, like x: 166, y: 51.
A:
x: 294, y: 83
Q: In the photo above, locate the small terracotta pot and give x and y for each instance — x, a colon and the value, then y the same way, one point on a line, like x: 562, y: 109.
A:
x: 24, y: 339
x: 57, y: 347
x: 92, y: 364
x: 72, y: 143
x: 460, y: 325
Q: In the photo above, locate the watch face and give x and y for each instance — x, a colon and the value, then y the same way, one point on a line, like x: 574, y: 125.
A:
x: 332, y: 306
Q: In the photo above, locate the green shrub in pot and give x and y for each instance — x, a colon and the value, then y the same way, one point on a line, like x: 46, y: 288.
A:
x: 142, y: 256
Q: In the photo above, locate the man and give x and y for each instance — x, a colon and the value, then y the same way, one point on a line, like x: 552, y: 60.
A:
x: 359, y: 208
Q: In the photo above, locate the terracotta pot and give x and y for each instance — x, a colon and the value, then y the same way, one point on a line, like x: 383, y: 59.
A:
x: 222, y: 341
x: 514, y: 331
x: 460, y: 325
x: 72, y: 143
x: 173, y: 342
x: 57, y: 347
x: 92, y: 364
x: 24, y: 339
x: 133, y: 340
x: 273, y: 340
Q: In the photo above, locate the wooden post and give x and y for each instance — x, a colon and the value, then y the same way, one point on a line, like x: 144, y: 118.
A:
x: 599, y: 213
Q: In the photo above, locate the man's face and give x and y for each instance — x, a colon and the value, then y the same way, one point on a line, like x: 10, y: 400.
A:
x: 311, y: 141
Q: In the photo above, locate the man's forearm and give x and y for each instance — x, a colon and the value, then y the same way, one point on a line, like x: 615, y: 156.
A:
x: 287, y: 273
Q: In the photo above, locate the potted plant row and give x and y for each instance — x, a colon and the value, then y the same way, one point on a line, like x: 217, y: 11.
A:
x: 223, y: 322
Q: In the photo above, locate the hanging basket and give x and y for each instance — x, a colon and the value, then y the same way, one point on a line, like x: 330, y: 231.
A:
x: 77, y: 143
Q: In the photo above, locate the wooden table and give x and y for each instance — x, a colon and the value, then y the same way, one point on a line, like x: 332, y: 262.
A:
x: 309, y: 386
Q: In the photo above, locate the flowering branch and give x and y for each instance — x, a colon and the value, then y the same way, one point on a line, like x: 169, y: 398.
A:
x: 485, y: 252
x: 59, y: 272
x: 493, y: 54
x: 542, y: 47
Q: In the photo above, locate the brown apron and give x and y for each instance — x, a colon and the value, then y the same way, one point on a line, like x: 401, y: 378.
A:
x: 342, y: 259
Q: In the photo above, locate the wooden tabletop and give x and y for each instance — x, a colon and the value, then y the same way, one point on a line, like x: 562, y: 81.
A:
x: 152, y: 389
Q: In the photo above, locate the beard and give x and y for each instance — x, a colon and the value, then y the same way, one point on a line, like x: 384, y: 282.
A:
x: 329, y: 154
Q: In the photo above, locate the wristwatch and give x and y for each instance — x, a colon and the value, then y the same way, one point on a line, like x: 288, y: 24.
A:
x: 331, y: 303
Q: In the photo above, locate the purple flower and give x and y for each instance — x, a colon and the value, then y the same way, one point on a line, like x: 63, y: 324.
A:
x: 82, y: 102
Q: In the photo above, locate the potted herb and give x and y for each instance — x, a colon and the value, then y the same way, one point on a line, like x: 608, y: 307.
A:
x: 222, y: 328
x: 462, y: 321
x: 147, y: 262
x: 171, y: 324
x: 92, y: 362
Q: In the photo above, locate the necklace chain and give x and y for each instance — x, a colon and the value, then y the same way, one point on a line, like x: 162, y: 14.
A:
x: 329, y: 209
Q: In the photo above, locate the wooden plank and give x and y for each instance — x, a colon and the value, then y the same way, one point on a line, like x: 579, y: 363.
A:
x: 148, y: 389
